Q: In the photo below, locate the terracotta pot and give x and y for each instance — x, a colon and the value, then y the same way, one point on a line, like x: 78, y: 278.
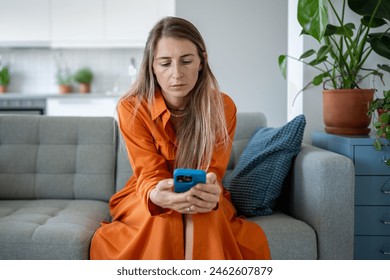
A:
x: 84, y: 88
x: 345, y: 111
x: 64, y: 89
x: 3, y: 89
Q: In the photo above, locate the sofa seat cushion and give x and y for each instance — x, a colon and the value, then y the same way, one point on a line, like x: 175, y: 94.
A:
x: 288, y: 237
x: 49, y: 229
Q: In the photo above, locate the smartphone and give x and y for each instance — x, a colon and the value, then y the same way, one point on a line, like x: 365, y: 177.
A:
x: 185, y: 179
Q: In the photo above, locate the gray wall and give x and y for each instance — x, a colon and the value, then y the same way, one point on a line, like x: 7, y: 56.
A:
x: 244, y: 39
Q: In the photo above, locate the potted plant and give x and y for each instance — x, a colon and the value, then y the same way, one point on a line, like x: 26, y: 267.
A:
x: 341, y: 57
x: 64, y: 80
x: 84, y: 77
x: 4, y: 79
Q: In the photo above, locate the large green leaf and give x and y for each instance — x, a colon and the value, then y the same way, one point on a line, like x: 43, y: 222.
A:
x: 282, y: 61
x: 323, y: 51
x: 367, y: 7
x: 319, y: 79
x: 380, y: 43
x: 313, y: 17
x: 307, y: 54
x: 376, y: 22
x: 317, y: 61
x: 347, y: 30
x: 386, y: 68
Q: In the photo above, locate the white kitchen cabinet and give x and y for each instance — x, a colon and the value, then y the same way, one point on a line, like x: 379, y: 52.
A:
x: 75, y: 21
x: 104, y: 106
x: 106, y: 23
x: 24, y: 23
x: 128, y: 22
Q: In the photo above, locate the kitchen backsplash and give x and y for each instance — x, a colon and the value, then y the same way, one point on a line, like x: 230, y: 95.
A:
x: 33, y: 70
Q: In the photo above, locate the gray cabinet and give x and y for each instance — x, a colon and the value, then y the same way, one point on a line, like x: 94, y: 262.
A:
x: 372, y: 192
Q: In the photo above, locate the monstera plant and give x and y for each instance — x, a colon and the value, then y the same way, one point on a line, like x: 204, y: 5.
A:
x: 341, y: 57
x: 343, y: 47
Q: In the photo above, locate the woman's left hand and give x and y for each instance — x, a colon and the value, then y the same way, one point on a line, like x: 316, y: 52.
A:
x: 204, y: 198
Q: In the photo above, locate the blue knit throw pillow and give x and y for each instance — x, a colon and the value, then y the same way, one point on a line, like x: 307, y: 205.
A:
x: 256, y: 181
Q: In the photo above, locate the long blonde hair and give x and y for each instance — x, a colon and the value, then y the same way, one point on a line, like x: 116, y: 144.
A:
x: 204, y: 126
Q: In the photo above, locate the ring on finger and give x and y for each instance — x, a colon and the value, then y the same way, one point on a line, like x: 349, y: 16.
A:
x: 188, y: 209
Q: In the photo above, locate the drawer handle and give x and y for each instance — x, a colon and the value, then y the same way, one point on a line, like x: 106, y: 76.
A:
x: 385, y: 188
x: 385, y: 222
x: 385, y: 252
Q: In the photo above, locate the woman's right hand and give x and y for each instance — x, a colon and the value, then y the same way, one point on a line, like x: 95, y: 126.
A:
x: 164, y: 196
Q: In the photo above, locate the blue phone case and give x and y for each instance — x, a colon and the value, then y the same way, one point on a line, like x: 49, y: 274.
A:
x: 184, y: 179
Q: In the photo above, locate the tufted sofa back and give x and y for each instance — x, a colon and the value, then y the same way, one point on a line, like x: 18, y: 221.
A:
x: 45, y: 157
x: 247, y: 124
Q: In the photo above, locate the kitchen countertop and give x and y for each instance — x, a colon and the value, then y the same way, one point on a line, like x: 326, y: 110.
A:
x: 56, y: 104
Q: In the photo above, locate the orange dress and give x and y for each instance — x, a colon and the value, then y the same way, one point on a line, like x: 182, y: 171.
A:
x: 142, y: 230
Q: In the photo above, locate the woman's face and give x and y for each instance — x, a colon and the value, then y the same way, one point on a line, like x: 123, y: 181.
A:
x: 176, y: 65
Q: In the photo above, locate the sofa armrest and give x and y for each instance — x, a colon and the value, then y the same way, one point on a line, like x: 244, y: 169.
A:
x: 322, y: 195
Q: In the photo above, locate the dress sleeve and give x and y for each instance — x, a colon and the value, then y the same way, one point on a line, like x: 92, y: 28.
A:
x: 149, y: 166
x: 221, y: 156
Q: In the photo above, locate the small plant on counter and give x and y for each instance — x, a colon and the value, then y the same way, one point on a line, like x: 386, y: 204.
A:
x: 4, y: 78
x: 64, y: 80
x: 84, y: 77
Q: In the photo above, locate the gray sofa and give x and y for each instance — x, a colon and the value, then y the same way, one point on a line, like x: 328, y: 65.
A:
x: 58, y: 173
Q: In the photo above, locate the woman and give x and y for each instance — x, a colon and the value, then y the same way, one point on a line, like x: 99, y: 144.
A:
x: 174, y: 116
